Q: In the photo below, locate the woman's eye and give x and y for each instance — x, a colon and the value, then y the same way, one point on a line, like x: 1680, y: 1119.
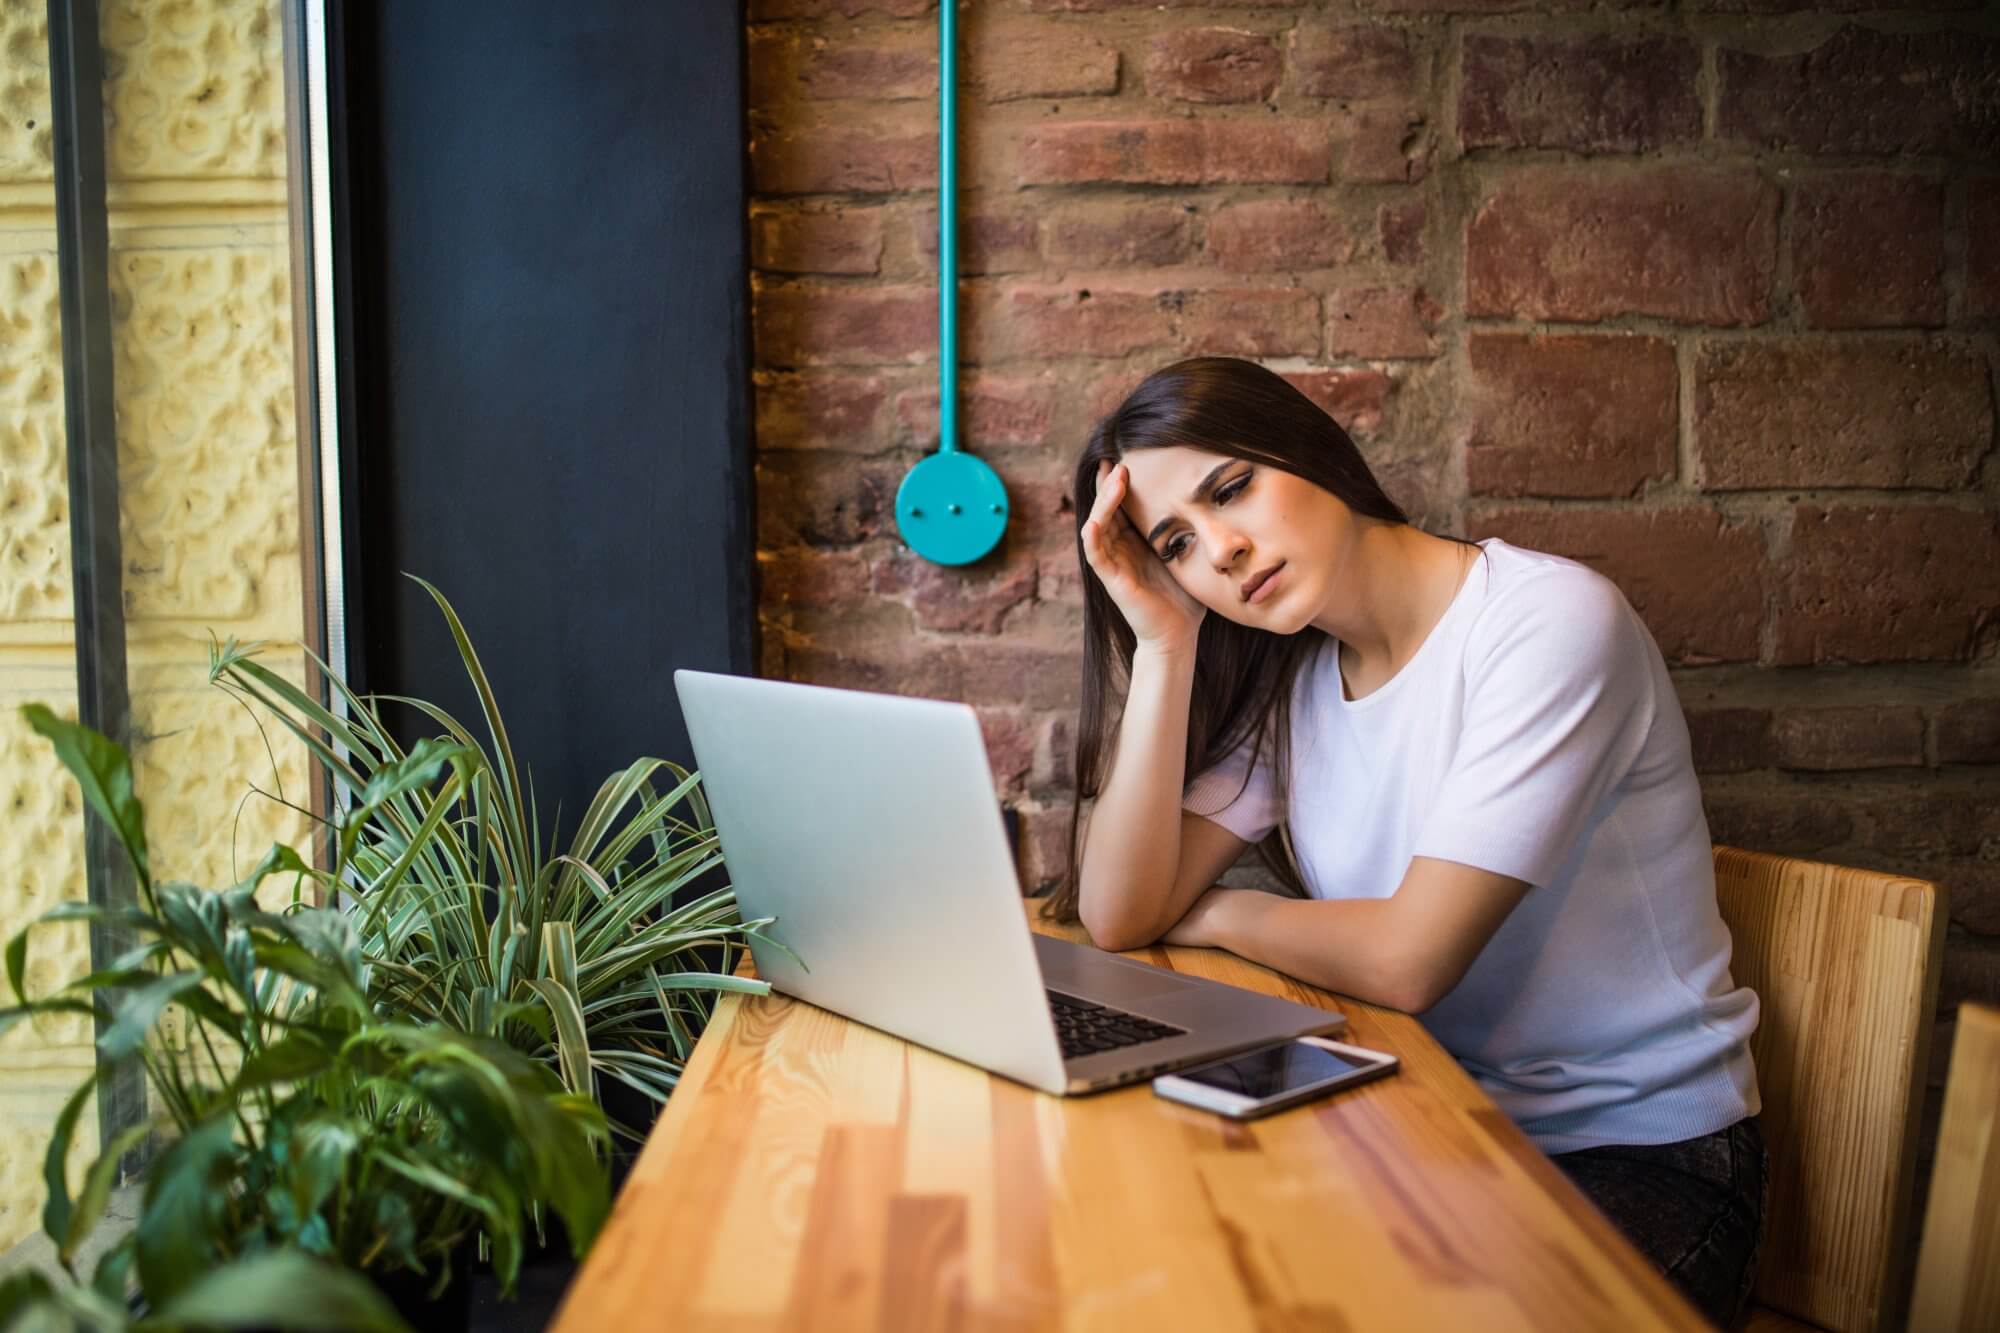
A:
x: 1173, y: 549
x: 1225, y: 494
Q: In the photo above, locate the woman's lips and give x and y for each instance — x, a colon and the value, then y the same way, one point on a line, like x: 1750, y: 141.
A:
x: 1264, y: 584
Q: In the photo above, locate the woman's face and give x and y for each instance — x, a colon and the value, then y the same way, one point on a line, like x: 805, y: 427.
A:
x: 1251, y: 542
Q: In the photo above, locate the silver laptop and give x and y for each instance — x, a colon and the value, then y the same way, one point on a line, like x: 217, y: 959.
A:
x: 867, y: 824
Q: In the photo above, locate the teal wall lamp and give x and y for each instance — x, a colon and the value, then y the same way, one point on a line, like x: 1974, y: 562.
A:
x: 952, y: 507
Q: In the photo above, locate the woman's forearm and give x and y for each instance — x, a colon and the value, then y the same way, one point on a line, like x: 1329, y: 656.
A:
x: 1131, y: 848
x: 1345, y: 945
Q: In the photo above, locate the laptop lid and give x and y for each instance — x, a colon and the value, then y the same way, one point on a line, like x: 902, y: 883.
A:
x: 868, y: 825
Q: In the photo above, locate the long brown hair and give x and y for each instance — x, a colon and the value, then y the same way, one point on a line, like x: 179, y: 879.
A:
x: 1243, y: 677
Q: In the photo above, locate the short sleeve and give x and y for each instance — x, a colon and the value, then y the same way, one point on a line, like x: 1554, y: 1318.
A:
x: 1249, y: 809
x: 1559, y: 699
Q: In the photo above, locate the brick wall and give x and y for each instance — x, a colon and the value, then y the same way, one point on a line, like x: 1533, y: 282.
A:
x: 1704, y: 293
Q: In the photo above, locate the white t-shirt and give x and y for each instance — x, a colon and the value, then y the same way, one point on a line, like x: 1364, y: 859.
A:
x: 1535, y: 734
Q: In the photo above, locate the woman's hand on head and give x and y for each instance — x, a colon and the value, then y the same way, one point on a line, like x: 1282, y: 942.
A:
x: 1158, y: 609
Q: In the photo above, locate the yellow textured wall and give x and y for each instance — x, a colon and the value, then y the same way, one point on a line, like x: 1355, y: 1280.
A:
x: 195, y: 149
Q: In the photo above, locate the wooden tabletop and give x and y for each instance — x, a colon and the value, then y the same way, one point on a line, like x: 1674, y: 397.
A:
x: 811, y: 1172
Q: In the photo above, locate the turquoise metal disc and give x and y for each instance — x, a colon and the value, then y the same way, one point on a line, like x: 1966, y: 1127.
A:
x: 952, y: 508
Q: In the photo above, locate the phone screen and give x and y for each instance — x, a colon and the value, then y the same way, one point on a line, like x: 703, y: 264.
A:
x: 1275, y: 1069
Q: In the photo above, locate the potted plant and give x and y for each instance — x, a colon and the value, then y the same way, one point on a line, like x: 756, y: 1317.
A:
x: 317, y: 1161
x: 467, y: 919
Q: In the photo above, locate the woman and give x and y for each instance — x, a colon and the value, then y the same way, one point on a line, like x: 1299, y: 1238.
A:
x: 1478, y: 771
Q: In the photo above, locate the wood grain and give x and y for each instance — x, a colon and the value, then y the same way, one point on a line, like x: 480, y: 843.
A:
x: 1958, y: 1270
x: 1846, y: 965
x: 814, y: 1173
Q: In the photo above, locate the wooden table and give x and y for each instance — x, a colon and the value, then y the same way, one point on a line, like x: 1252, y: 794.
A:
x: 811, y: 1172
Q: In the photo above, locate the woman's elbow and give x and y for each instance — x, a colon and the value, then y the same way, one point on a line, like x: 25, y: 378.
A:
x: 1111, y: 932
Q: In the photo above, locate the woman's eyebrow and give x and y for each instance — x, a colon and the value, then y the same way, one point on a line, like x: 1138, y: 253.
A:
x: 1200, y: 493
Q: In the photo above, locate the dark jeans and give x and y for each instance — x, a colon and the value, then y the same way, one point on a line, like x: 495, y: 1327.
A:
x: 1695, y: 1208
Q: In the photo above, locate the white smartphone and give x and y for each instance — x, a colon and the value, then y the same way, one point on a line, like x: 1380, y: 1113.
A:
x: 1271, y: 1078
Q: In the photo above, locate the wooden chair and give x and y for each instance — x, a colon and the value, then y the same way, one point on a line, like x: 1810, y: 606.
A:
x: 1958, y: 1269
x: 1845, y: 963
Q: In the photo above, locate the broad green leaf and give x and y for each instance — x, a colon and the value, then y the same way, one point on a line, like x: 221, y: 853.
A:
x: 280, y: 1289
x: 140, y: 1010
x: 185, y: 1191
x: 296, y: 1056
x: 104, y: 772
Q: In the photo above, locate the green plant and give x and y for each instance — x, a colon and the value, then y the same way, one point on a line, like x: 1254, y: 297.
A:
x: 467, y: 921
x: 305, y: 1139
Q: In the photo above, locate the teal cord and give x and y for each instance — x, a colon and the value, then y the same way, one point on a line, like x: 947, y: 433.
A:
x: 947, y: 226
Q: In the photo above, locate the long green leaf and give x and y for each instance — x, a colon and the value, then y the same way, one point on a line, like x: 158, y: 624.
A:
x: 55, y: 1163
x: 104, y: 772
x: 97, y: 1183
x: 175, y: 1238
x: 572, y: 1041
x: 140, y: 1010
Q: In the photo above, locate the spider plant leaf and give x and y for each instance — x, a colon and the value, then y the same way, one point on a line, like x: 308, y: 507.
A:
x: 280, y: 1289
x: 572, y: 1041
x: 96, y: 1192
x: 104, y: 772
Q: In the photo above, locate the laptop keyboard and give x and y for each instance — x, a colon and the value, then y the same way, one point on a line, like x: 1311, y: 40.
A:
x: 1089, y: 1029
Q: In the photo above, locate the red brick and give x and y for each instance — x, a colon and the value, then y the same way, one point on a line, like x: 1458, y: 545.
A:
x: 1794, y: 822
x: 974, y: 600
x: 1697, y: 583
x: 1011, y: 738
x: 1354, y: 63
x: 1174, y: 152
x: 1059, y: 322
x: 1933, y: 822
x: 1571, y: 416
x: 820, y: 326
x: 1045, y: 845
x: 819, y: 241
x: 1287, y: 234
x: 1015, y: 672
x: 1107, y: 391
x: 1055, y: 767
x: 1968, y: 732
x: 803, y: 575
x: 886, y: 665
x: 1055, y: 323
x: 1211, y: 65
x: 1100, y: 6
x: 1353, y: 398
x: 1864, y: 91
x: 987, y: 242
x: 822, y: 159
x: 1117, y: 235
x: 821, y: 499
x: 893, y: 66
x: 1982, y: 247
x: 1382, y: 322
x: 1824, y: 6
x: 1595, y: 94
x: 818, y: 409
x: 764, y: 11
x: 1870, y: 583
x: 1730, y: 740
x: 1400, y: 227
x: 1823, y: 740
x: 1009, y: 62
x: 1682, y: 243
x: 1816, y: 412
x: 1868, y: 251
x: 1384, y: 145
x: 1280, y: 321
x: 992, y: 410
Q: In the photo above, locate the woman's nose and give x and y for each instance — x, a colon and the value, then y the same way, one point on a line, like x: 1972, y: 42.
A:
x: 1227, y: 548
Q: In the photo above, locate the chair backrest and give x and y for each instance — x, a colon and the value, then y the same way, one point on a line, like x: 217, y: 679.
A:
x: 1845, y: 963
x: 1958, y: 1269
